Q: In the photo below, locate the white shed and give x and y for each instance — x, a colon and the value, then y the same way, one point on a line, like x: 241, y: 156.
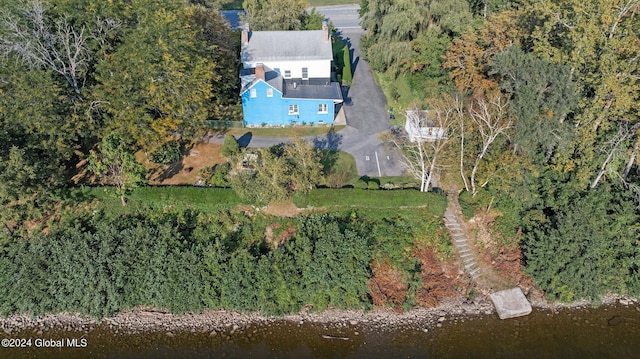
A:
x: 422, y: 127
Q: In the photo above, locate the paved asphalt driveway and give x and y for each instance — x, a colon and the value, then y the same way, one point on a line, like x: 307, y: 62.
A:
x: 364, y: 108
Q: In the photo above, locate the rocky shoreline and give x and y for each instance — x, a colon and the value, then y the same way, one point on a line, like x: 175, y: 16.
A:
x: 142, y: 320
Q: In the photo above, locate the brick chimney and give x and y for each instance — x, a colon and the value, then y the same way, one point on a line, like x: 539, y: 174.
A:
x: 260, y: 72
x: 325, y: 30
x: 246, y: 33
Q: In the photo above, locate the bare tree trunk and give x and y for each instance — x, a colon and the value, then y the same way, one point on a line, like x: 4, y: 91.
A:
x: 7, y: 230
x: 124, y: 202
x: 473, y: 178
x: 61, y: 49
x: 432, y: 167
x: 491, y: 119
x: 622, y: 13
x: 632, y: 160
x: 423, y: 183
x: 603, y: 169
x: 464, y: 177
x: 623, y: 134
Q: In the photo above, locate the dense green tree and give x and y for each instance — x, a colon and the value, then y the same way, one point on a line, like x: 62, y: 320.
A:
x: 73, y: 71
x: 99, y: 265
x: 573, y: 258
x: 304, y: 161
x: 543, y: 95
x: 313, y: 21
x: 279, y: 172
x: 391, y: 26
x: 264, y: 15
x: 427, y: 75
x: 167, y: 154
x: 338, y: 272
x: 486, y: 8
x: 117, y: 166
x: 230, y: 147
x: 213, y: 29
x: 37, y: 141
x: 346, y: 69
x: 597, y: 40
x: 158, y: 83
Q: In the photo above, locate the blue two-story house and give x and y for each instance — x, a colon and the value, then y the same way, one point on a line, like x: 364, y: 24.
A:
x: 286, y: 78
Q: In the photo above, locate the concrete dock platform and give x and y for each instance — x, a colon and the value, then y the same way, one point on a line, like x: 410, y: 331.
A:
x: 511, y: 303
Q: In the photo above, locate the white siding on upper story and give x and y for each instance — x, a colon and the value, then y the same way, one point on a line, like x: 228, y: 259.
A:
x: 316, y: 68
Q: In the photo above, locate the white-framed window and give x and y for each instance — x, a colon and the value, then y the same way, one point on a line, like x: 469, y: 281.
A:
x: 305, y: 73
x: 253, y: 93
x: 293, y: 110
x: 269, y: 92
x: 323, y: 108
x: 287, y: 74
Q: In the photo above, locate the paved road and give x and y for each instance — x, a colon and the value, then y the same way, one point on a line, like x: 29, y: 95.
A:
x: 342, y: 16
x: 365, y: 108
x: 233, y: 16
x: 365, y: 103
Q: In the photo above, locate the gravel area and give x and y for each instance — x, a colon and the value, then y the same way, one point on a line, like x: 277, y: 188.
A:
x: 380, y: 319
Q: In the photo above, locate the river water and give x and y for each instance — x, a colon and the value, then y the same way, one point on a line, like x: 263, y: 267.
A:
x: 604, y: 332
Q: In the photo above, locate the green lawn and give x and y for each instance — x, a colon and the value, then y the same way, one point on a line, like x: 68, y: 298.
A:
x: 237, y: 4
x: 302, y: 131
x: 354, y: 197
x: 204, y: 199
x: 398, y: 94
x: 338, y: 166
x: 211, y: 200
x: 332, y: 2
x: 232, y: 5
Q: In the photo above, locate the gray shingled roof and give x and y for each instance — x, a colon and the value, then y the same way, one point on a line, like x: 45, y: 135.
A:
x: 330, y: 91
x: 248, y: 78
x: 286, y: 45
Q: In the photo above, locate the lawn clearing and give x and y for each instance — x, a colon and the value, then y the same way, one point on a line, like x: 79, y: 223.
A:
x: 237, y: 4
x: 354, y: 197
x: 339, y: 168
x: 185, y: 172
x: 397, y: 180
x: 298, y: 131
x: 332, y: 2
x: 232, y: 5
x: 398, y: 94
x: 204, y: 199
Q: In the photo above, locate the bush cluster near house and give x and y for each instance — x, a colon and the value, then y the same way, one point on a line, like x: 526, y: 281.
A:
x: 346, y: 70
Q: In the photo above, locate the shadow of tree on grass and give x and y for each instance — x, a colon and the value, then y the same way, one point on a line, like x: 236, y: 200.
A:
x: 328, y: 145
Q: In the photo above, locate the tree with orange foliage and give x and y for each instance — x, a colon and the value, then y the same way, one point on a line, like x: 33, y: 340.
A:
x: 469, y: 56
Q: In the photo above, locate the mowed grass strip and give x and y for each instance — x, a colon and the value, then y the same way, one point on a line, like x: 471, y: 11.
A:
x: 297, y: 131
x: 313, y: 3
x: 210, y: 200
x: 237, y: 4
x: 204, y: 199
x: 354, y: 197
